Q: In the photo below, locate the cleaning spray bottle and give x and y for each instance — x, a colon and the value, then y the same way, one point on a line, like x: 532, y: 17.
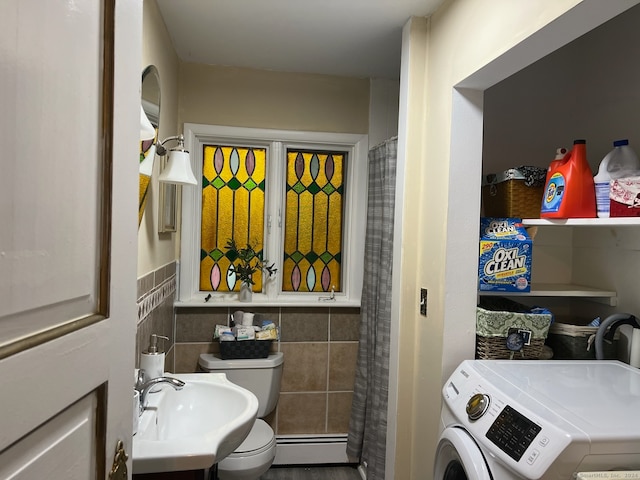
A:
x: 570, y: 191
x: 620, y: 162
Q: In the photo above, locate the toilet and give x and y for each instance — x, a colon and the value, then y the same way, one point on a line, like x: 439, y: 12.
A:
x: 261, y: 376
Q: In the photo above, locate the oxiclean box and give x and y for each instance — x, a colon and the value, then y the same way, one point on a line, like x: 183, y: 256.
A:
x: 505, y: 256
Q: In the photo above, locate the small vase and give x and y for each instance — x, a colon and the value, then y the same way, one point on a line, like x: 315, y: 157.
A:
x: 245, y: 293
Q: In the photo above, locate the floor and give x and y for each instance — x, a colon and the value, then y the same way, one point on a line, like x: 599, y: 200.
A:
x: 312, y: 473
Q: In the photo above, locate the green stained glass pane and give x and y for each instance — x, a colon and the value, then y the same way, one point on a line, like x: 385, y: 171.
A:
x: 229, y: 211
x: 218, y: 183
x: 296, y: 256
x: 328, y: 189
x: 326, y: 257
x: 216, y: 254
x: 314, y: 188
x: 234, y: 183
x: 298, y: 188
x: 250, y: 184
x: 313, y: 220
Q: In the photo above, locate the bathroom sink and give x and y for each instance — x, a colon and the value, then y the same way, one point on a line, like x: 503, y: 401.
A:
x: 195, y: 427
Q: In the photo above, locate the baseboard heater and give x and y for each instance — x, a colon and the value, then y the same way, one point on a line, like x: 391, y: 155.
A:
x: 307, y: 449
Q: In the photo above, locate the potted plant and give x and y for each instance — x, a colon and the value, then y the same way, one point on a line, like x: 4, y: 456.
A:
x: 246, y: 261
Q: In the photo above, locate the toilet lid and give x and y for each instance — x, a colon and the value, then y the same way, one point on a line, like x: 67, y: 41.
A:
x: 261, y: 435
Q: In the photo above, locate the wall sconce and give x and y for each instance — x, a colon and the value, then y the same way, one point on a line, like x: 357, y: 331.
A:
x: 147, y: 133
x: 178, y: 168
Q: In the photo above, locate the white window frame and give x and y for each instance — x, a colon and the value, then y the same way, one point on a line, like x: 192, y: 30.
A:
x: 276, y: 142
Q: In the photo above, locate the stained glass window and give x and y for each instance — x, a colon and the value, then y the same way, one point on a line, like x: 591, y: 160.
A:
x: 233, y: 185
x: 313, y: 221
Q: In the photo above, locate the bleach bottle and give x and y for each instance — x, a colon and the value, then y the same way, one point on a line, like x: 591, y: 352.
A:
x: 570, y: 191
x: 620, y: 162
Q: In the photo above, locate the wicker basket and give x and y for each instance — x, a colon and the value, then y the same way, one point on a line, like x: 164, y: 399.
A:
x: 508, y: 194
x: 574, y: 342
x: 245, y: 349
x: 497, y: 318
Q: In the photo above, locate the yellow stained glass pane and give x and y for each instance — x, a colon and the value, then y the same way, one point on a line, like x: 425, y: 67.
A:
x: 313, y: 221
x: 232, y: 207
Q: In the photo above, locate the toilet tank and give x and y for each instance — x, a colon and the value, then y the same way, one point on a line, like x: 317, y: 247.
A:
x: 261, y: 376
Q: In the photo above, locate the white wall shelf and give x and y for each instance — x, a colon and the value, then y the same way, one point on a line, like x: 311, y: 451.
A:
x: 583, y: 222
x: 563, y: 290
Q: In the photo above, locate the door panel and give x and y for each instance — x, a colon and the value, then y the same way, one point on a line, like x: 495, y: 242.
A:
x: 71, y: 104
x: 64, y: 447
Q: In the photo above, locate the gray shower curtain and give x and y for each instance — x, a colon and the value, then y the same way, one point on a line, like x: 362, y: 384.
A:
x: 368, y: 424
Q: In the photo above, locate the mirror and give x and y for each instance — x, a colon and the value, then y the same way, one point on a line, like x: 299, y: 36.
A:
x: 151, y: 107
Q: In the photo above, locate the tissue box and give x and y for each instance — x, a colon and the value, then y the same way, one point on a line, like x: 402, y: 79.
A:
x: 624, y: 196
x: 245, y: 349
x: 505, y: 256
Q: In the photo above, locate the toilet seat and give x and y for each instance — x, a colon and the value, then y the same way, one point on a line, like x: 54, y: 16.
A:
x: 260, y: 439
x: 253, y: 457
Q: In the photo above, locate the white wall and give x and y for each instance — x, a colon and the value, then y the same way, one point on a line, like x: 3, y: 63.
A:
x: 384, y: 100
x: 154, y: 249
x: 588, y: 89
x: 470, y: 46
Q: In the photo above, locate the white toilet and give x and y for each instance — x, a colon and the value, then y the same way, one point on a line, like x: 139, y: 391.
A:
x: 261, y: 376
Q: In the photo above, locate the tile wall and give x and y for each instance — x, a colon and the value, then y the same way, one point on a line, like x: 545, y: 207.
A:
x: 320, y: 348
x: 156, y: 294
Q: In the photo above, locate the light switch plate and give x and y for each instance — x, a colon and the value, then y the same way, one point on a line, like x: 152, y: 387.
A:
x: 423, y: 301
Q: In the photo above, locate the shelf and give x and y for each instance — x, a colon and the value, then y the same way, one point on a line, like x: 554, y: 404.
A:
x: 584, y: 222
x: 563, y: 290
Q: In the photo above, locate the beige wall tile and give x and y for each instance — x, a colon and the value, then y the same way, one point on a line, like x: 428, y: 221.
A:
x: 305, y: 367
x: 302, y: 413
x: 345, y: 324
x: 304, y: 325
x: 198, y: 324
x: 339, y: 412
x: 342, y: 365
x: 187, y: 355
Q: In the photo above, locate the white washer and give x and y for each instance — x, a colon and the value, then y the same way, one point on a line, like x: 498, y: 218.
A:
x: 538, y: 419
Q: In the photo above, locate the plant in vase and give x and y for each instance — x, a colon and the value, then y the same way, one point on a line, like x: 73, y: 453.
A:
x: 246, y: 262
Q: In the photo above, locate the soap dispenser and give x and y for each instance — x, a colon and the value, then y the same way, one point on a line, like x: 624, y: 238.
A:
x: 152, y: 360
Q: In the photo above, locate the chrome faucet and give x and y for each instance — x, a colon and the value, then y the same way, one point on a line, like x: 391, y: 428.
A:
x: 145, y: 387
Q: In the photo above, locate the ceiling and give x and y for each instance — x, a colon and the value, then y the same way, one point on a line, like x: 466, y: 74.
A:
x: 353, y: 38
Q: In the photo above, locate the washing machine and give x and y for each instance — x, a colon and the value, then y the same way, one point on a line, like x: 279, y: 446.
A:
x: 539, y: 419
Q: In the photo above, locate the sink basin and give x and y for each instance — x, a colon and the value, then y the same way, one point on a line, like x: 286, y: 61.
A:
x: 192, y: 428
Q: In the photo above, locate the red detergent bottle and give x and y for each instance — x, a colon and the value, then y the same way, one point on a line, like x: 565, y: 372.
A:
x: 570, y: 191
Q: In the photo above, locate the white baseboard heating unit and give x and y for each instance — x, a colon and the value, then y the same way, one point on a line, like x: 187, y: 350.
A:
x: 306, y: 449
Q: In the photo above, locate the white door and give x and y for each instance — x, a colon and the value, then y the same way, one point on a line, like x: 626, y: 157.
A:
x: 69, y: 122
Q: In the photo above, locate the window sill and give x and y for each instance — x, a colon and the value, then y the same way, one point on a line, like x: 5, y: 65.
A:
x: 221, y: 302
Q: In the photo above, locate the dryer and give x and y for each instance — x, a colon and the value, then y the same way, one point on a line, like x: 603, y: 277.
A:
x: 538, y: 419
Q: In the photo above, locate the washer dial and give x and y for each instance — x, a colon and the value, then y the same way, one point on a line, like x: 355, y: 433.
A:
x: 477, y: 406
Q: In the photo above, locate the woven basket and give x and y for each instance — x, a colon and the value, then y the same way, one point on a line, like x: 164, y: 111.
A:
x: 245, y: 349
x: 507, y: 195
x: 497, y: 317
x: 572, y: 342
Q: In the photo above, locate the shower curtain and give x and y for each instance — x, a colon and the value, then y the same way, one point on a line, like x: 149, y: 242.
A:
x: 368, y: 422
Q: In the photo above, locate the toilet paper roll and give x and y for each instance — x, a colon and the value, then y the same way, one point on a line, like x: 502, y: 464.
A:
x: 238, y: 315
x: 634, y: 355
x: 247, y: 319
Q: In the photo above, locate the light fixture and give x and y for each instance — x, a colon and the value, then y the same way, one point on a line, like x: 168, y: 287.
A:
x: 178, y: 168
x: 147, y: 133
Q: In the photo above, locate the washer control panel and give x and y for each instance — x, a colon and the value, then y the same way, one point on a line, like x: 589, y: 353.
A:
x: 512, y: 432
x: 512, y: 425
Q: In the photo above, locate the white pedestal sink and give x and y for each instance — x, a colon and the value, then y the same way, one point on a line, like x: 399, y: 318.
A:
x: 192, y: 428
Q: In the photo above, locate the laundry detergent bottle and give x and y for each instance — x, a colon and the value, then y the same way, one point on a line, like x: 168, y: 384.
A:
x: 620, y: 162
x: 570, y: 191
